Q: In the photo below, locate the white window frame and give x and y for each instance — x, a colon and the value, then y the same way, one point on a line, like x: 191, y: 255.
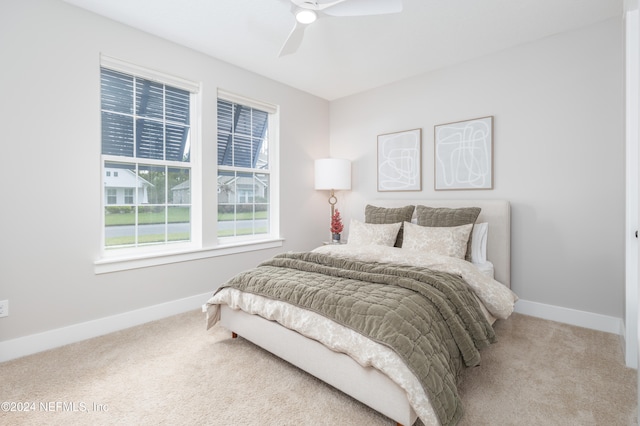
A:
x: 203, y: 244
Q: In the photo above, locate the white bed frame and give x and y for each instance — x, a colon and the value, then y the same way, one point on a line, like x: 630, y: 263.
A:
x: 366, y: 384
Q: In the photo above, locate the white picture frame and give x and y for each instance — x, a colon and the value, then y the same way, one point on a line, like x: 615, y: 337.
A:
x: 400, y: 161
x: 464, y: 155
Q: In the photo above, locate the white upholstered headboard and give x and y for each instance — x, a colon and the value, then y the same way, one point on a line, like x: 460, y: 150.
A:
x: 497, y: 213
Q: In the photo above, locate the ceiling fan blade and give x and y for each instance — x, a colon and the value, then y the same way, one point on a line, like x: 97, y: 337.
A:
x: 323, y: 6
x: 294, y: 40
x: 363, y: 7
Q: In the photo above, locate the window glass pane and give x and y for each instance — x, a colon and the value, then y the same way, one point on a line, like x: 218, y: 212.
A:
x: 117, y: 179
x: 263, y: 154
x: 178, y: 144
x: 242, y: 148
x: 179, y: 225
x: 117, y: 134
x: 226, y: 220
x: 258, y: 122
x: 116, y: 91
x: 226, y: 203
x: 179, y: 185
x: 149, y: 139
x: 261, y: 185
x: 242, y: 120
x: 177, y: 104
x: 261, y: 206
x: 242, y: 134
x: 244, y: 188
x: 149, y: 99
x: 262, y: 219
x: 243, y: 203
x: 225, y: 116
x: 226, y: 187
x: 151, y: 184
x: 259, y: 128
x: 225, y: 149
x: 151, y: 224
x: 120, y: 226
x: 244, y: 219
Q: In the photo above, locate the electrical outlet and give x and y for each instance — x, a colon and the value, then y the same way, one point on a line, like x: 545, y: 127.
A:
x: 4, y: 308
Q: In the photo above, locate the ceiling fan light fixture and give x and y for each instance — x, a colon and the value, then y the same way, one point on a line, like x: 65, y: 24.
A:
x: 306, y: 16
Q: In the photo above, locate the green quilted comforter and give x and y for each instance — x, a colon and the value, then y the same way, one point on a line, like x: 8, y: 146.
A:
x: 430, y: 319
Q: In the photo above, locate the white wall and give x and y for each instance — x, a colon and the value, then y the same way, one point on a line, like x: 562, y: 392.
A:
x: 50, y: 174
x: 558, y: 151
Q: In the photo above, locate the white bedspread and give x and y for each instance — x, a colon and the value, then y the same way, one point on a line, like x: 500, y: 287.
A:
x: 497, y: 298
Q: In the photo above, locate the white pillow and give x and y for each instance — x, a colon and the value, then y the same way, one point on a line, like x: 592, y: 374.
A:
x: 446, y: 241
x: 361, y: 233
x: 479, y: 243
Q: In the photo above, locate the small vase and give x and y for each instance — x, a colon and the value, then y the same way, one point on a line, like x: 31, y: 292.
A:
x: 335, y: 238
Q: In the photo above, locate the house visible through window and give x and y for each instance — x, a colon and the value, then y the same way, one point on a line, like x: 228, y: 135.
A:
x: 245, y: 170
x: 146, y: 157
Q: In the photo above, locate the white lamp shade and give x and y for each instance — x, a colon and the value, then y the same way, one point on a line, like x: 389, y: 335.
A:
x: 333, y: 173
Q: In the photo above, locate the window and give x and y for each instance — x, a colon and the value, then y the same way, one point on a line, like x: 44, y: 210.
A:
x: 246, y: 178
x: 128, y: 196
x: 153, y: 194
x: 112, y: 197
x: 147, y: 157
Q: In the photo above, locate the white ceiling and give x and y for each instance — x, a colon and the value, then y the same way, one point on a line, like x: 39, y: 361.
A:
x: 340, y: 56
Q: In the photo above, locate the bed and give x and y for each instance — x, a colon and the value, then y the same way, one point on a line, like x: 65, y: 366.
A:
x: 365, y: 368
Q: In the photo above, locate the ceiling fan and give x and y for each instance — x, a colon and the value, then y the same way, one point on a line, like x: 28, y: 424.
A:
x: 307, y: 11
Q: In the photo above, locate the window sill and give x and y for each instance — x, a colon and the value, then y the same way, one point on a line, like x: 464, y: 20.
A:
x: 115, y: 264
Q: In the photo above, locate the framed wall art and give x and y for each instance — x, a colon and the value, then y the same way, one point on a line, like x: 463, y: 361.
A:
x: 464, y: 154
x: 400, y: 161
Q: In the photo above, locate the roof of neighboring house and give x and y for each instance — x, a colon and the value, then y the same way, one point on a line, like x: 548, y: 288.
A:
x: 246, y: 181
x: 184, y: 185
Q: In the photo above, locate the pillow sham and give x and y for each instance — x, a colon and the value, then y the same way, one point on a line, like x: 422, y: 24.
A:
x: 479, y: 243
x: 442, y: 240
x: 445, y: 216
x: 384, y: 234
x: 384, y: 215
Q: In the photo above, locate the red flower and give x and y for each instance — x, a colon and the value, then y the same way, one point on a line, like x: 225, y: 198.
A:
x: 336, y: 223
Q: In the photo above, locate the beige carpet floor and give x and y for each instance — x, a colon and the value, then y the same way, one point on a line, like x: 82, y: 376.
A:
x: 173, y: 372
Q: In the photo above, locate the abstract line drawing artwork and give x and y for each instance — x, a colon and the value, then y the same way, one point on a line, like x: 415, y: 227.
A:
x: 399, y: 161
x: 464, y: 154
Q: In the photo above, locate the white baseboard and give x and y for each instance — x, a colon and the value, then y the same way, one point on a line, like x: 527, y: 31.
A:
x: 27, y: 345
x: 571, y: 316
x: 22, y: 346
